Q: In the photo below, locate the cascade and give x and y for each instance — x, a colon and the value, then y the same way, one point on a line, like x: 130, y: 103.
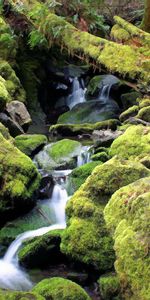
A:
x: 11, y: 274
x: 104, y: 94
x: 84, y: 156
x: 77, y: 95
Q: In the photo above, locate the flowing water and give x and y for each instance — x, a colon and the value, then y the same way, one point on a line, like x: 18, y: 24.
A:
x: 11, y: 275
x: 104, y: 94
x: 77, y: 95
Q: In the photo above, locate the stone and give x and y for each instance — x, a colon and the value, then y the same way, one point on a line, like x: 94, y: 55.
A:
x: 90, y: 112
x: 60, y: 155
x: 14, y: 128
x: 97, y: 82
x: 130, y: 112
x: 19, y: 181
x: 104, y: 138
x: 144, y: 114
x: 30, y: 144
x: 57, y: 288
x: 18, y: 113
x: 130, y: 99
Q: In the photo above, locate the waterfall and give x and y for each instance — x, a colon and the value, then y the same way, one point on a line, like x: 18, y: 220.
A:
x: 84, y: 156
x: 11, y: 275
x: 104, y: 94
x: 77, y: 95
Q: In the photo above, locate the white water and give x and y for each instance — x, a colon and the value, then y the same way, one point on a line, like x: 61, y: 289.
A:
x: 11, y: 275
x: 77, y: 95
x: 84, y: 156
x: 104, y: 94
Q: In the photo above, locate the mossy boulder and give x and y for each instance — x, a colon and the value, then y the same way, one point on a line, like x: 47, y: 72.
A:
x: 127, y: 218
x: 60, y: 155
x: 130, y: 99
x: 130, y: 112
x: 109, y: 286
x: 101, y: 156
x: 80, y: 174
x: 13, y: 295
x: 144, y: 102
x: 12, y: 82
x: 58, y: 288
x: 19, y: 180
x: 144, y: 114
x: 86, y: 238
x: 4, y: 131
x: 30, y: 144
x: 134, y: 142
x: 75, y: 129
x: 40, y: 251
x: 90, y: 112
x: 97, y: 82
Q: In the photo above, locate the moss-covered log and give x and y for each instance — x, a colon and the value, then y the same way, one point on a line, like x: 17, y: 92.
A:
x: 49, y: 28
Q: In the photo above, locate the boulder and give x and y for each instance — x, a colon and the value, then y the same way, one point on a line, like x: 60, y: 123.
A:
x: 144, y: 114
x: 130, y: 99
x: 58, y: 288
x: 19, y: 180
x: 86, y: 238
x: 90, y: 112
x: 14, y: 128
x: 98, y: 82
x: 82, y: 129
x: 43, y: 250
x: 127, y: 218
x: 101, y: 156
x: 130, y: 112
x: 30, y: 144
x: 80, y: 174
x: 60, y: 155
x: 19, y: 114
x: 133, y: 143
x: 104, y: 138
x: 13, y: 295
x: 109, y: 286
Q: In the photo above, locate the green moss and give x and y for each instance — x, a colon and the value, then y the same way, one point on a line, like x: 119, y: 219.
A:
x: 19, y: 180
x: 119, y: 34
x: 130, y: 112
x: 4, y: 131
x: 134, y: 142
x: 12, y: 82
x: 109, y: 286
x: 13, y: 295
x: 79, y: 175
x: 58, y: 288
x: 127, y: 217
x: 144, y: 102
x: 4, y: 95
x: 144, y: 114
x: 101, y: 156
x: 7, y: 41
x: 94, y: 85
x: 42, y: 250
x: 86, y: 238
x: 63, y: 149
x: 29, y: 143
x: 75, y: 129
x: 101, y: 149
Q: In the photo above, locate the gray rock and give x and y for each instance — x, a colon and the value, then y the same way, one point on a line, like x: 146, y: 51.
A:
x: 105, y: 138
x: 14, y: 128
x: 18, y: 113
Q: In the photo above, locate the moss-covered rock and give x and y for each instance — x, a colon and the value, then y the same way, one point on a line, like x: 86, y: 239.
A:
x: 130, y: 99
x: 90, y: 112
x: 12, y: 82
x: 97, y: 82
x: 100, y: 149
x: 13, y: 295
x: 86, y: 238
x: 19, y: 180
x: 109, y: 286
x: 4, y: 131
x: 144, y: 102
x: 59, y: 155
x: 101, y: 156
x: 42, y: 250
x: 30, y: 144
x: 75, y: 129
x: 134, y: 142
x: 80, y: 174
x: 58, y: 288
x: 130, y: 112
x: 144, y: 114
x: 4, y: 95
x: 127, y: 217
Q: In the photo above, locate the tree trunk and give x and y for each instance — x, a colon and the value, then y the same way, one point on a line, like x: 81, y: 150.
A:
x: 146, y: 18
